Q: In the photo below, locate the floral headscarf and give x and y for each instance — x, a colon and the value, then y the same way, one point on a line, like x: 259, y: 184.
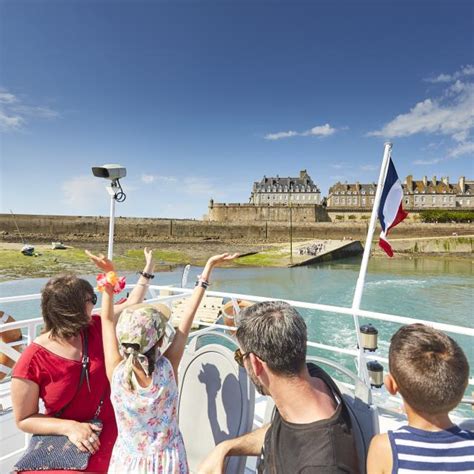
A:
x: 143, y: 325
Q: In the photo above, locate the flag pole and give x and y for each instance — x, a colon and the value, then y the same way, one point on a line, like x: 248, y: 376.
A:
x: 365, y: 258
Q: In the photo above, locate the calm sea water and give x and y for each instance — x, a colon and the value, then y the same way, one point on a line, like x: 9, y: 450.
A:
x: 425, y: 288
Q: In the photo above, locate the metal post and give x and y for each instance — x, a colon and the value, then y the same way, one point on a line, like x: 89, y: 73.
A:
x: 111, y: 191
x: 291, y: 224
x: 365, y: 258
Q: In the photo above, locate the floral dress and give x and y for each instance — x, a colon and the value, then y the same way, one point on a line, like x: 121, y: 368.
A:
x: 149, y: 440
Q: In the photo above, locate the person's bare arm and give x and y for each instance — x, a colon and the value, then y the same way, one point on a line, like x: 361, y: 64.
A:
x: 379, y: 458
x: 109, y: 339
x: 174, y: 353
x: 137, y: 295
x: 25, y: 402
x: 249, y: 444
x: 108, y: 318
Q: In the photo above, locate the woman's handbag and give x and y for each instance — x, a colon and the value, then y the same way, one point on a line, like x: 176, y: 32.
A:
x: 50, y: 452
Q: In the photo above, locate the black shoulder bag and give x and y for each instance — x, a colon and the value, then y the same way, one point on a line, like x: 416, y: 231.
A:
x: 50, y: 452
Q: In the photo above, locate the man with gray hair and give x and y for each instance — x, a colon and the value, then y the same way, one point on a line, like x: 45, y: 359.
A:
x: 310, y: 431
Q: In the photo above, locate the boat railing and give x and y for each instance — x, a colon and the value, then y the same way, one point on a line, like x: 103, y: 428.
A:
x: 30, y: 327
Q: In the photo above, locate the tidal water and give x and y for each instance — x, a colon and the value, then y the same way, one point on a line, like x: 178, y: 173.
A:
x: 425, y: 288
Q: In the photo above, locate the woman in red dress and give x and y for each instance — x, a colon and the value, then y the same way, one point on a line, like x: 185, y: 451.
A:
x: 50, y: 369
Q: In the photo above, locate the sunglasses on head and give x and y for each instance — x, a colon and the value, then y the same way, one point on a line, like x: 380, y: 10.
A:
x: 92, y: 299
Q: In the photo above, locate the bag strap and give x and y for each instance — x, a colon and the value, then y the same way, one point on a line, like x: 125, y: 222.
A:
x: 84, y: 371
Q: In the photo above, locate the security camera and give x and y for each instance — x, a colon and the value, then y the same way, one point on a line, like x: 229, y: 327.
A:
x: 109, y: 171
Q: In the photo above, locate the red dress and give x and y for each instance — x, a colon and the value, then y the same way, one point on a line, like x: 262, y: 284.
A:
x: 58, y: 379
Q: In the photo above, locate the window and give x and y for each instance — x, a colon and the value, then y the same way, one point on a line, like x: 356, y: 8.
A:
x: 434, y: 199
x: 336, y: 200
x: 343, y: 200
x: 371, y: 200
x: 354, y: 200
x: 363, y: 200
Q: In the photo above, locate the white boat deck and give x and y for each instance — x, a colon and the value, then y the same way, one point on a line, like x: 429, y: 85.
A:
x: 390, y: 413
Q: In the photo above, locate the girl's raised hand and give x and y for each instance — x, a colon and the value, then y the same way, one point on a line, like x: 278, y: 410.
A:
x: 148, y: 256
x: 101, y: 262
x: 217, y: 260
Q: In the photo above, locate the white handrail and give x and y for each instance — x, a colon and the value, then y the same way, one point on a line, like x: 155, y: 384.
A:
x: 181, y: 292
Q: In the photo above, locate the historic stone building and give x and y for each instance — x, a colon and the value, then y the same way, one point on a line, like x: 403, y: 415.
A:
x: 434, y: 193
x: 422, y: 194
x: 352, y: 196
x: 281, y: 191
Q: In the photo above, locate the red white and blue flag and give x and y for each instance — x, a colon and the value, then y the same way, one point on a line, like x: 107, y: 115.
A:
x: 391, y: 211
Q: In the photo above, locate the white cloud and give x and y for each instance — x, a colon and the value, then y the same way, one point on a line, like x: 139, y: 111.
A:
x: 320, y: 131
x: 465, y: 71
x: 151, y: 178
x: 148, y: 178
x: 7, y: 98
x: 14, y: 114
x: 369, y: 167
x: 427, y: 162
x: 317, y: 131
x: 462, y: 149
x: 10, y: 122
x: 451, y: 116
x: 278, y: 135
x: 82, y: 193
x: 31, y: 111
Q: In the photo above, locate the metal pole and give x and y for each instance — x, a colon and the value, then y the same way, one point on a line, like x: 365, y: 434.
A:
x: 111, y: 191
x: 291, y: 223
x: 365, y: 258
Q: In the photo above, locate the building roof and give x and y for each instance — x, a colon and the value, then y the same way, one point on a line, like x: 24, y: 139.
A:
x: 410, y: 186
x: 301, y: 183
x: 353, y: 188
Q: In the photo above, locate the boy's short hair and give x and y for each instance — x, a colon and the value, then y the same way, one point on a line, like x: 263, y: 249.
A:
x: 429, y: 367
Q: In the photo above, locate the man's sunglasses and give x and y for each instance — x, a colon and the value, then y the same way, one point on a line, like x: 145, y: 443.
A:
x: 92, y: 299
x: 239, y: 357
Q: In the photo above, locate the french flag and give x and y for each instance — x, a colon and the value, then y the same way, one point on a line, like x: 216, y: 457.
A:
x: 391, y: 211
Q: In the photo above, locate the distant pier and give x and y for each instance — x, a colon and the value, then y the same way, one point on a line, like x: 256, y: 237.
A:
x: 319, y: 251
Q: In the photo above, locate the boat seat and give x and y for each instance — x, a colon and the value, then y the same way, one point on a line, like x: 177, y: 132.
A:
x: 216, y: 400
x: 364, y: 415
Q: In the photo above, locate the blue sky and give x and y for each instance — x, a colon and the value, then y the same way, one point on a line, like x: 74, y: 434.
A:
x: 199, y: 99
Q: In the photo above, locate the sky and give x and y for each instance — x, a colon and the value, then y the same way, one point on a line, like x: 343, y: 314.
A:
x: 199, y: 99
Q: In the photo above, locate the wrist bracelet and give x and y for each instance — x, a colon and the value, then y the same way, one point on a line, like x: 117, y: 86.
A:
x: 148, y: 276
x: 202, y: 283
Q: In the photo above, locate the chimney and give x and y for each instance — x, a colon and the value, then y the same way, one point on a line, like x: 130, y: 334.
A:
x: 409, y: 183
x: 433, y: 180
x: 358, y: 187
x: 462, y: 184
x: 425, y: 181
x: 303, y: 174
x: 445, y: 180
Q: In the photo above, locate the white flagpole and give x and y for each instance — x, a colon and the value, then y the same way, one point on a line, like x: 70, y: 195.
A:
x: 365, y: 258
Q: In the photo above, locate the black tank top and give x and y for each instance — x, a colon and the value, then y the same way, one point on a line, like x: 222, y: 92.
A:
x: 325, y: 446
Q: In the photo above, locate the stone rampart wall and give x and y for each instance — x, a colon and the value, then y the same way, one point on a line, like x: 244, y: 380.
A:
x: 300, y: 213
x: 41, y: 228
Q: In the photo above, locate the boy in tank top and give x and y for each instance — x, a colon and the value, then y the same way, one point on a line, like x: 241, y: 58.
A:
x: 430, y: 371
